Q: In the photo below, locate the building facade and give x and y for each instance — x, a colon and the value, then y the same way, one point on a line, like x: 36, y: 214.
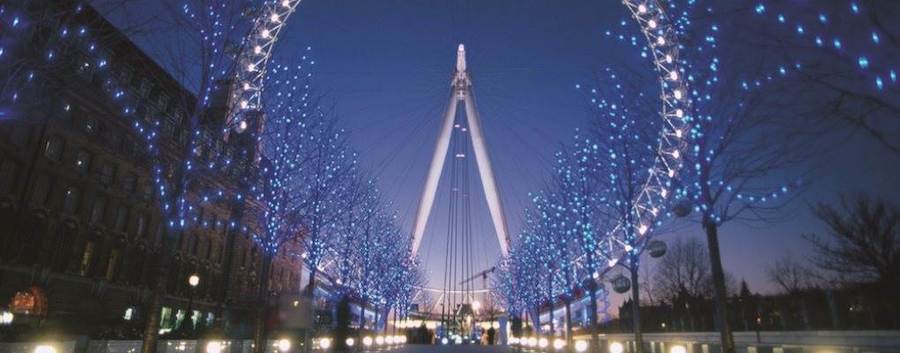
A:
x: 79, y: 222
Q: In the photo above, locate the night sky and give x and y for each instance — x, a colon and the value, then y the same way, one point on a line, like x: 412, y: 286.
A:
x: 386, y: 64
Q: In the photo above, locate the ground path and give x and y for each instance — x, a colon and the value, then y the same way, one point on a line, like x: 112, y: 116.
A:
x: 417, y: 348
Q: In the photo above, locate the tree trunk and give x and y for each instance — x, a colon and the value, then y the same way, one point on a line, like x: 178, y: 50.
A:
x: 568, y: 321
x: 154, y: 307
x: 552, y: 326
x: 13, y: 244
x: 832, y: 309
x: 718, y: 277
x: 377, y: 314
x: 536, y: 320
x: 262, y: 298
x: 362, y: 315
x: 231, y: 234
x: 311, y: 285
x: 592, y: 287
x: 636, y: 307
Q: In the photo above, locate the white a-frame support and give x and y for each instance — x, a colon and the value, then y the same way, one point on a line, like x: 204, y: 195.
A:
x: 461, y: 92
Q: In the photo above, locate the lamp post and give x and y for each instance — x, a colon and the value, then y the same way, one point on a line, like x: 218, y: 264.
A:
x: 193, y: 281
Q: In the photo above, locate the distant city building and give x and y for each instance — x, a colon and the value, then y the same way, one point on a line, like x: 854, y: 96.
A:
x: 79, y: 225
x: 850, y: 308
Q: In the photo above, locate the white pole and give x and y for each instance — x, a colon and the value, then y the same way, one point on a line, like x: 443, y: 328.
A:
x: 434, y: 174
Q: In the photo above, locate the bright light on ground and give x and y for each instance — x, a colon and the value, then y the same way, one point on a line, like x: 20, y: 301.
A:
x: 581, y: 346
x: 616, y: 347
x: 284, y: 345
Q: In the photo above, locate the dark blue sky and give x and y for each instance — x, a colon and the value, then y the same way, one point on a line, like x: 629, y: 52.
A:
x: 386, y: 66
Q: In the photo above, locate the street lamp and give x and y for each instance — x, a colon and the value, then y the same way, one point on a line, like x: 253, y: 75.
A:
x: 193, y: 281
x: 283, y: 345
x: 616, y: 347
x: 581, y: 346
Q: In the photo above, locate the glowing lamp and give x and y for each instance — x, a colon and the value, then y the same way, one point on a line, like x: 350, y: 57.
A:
x: 581, y: 346
x: 325, y: 343
x: 214, y: 347
x: 543, y: 342
x: 194, y: 280
x: 283, y: 345
x: 559, y: 344
x: 616, y: 347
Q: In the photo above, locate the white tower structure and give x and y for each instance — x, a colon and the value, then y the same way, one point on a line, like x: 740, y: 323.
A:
x: 461, y: 93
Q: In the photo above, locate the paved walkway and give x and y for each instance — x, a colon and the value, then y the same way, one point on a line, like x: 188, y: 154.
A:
x: 474, y: 348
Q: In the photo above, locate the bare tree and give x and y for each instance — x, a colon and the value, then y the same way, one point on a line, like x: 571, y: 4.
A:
x: 864, y: 240
x: 619, y: 153
x: 791, y: 275
x: 846, y: 50
x: 684, y: 268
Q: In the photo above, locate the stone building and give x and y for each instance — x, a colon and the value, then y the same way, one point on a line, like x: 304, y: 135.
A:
x: 80, y: 229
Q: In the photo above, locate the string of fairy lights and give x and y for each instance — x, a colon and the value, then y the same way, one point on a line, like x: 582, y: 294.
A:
x: 662, y: 47
x: 699, y: 67
x: 687, y: 79
x: 548, y: 224
x: 814, y: 24
x: 71, y: 36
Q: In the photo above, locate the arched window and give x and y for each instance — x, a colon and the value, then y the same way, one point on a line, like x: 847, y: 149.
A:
x: 41, y: 190
x: 121, y: 218
x: 86, y: 258
x: 53, y: 148
x: 97, y: 210
x: 142, y: 225
x: 112, y: 264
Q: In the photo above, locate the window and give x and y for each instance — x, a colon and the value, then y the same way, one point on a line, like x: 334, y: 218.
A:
x: 166, y: 322
x: 97, y: 210
x: 53, y: 148
x: 111, y: 264
x: 86, y: 258
x: 82, y: 161
x: 193, y: 245
x: 198, y: 246
x: 159, y: 232
x: 129, y: 314
x: 41, y: 191
x: 107, y: 172
x: 142, y: 225
x: 213, y: 254
x: 7, y: 175
x: 147, y: 192
x: 121, y: 219
x: 70, y: 200
x: 90, y: 126
x: 129, y: 183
